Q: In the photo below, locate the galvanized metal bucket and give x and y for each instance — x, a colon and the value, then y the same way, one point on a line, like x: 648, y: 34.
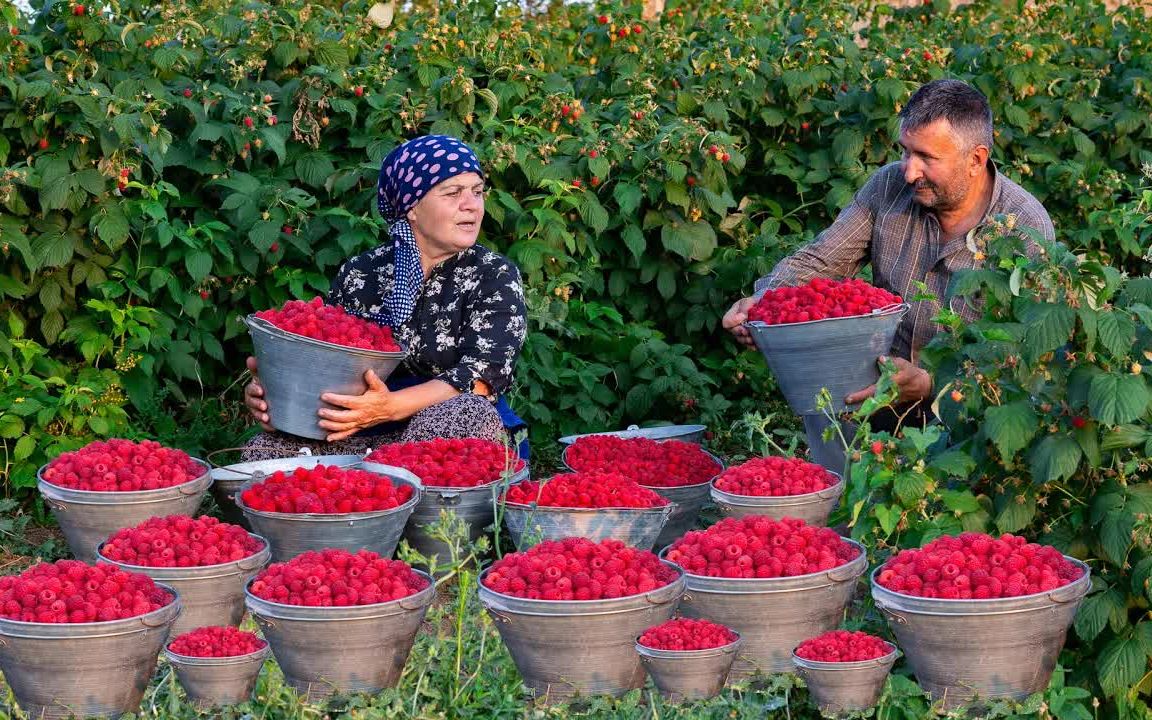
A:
x: 841, y: 687
x: 638, y: 527
x: 682, y: 675
x: 291, y: 534
x: 211, y: 594
x: 687, y: 433
x: 296, y: 370
x: 567, y: 648
x: 325, y: 650
x: 837, y: 353
x: 227, y: 479
x: 216, y: 681
x: 998, y: 648
x: 813, y: 508
x: 774, y: 615
x: 87, y: 517
x: 97, y: 669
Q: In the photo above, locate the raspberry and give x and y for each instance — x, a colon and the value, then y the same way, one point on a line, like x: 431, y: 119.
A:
x: 843, y: 646
x: 216, y: 641
x: 122, y: 466
x: 450, y: 462
x: 578, y: 569
x: 651, y: 463
x: 326, y: 489
x: 760, y: 547
x: 332, y: 577
x: 775, y: 476
x: 331, y: 324
x: 179, y: 541
x: 585, y: 490
x: 687, y: 634
x: 820, y: 299
x: 69, y: 591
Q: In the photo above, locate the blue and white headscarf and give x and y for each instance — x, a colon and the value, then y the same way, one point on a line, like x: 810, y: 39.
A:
x: 407, y: 175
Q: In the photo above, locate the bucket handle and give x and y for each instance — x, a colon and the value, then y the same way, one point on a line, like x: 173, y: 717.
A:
x: 499, y: 616
x: 1066, y: 594
x: 889, y: 308
x: 401, y: 602
x: 55, y: 505
x: 892, y: 616
x: 450, y: 498
x: 724, y: 507
x: 263, y: 621
x: 149, y: 624
x: 187, y: 491
x: 831, y: 491
x: 254, y: 562
x: 842, y: 572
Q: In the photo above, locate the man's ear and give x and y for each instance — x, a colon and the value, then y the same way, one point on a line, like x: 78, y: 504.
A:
x: 978, y: 159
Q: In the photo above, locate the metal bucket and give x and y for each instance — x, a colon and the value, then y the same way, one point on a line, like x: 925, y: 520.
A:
x: 813, y: 508
x: 567, y: 647
x: 291, y: 534
x: 61, y: 670
x: 227, y: 479
x: 638, y: 527
x: 687, y: 433
x: 689, y: 674
x: 296, y: 370
x: 774, y: 615
x: 88, y: 517
x: 325, y: 650
x: 837, y: 353
x: 839, y: 687
x: 998, y: 648
x: 211, y: 594
x: 215, y: 681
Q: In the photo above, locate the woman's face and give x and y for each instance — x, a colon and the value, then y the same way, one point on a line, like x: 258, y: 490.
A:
x: 447, y: 219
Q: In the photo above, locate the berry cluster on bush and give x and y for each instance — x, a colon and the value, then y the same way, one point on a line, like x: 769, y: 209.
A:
x: 326, y: 489
x: 687, y: 634
x: 181, y: 541
x: 337, y: 578
x: 122, y: 466
x: 216, y: 641
x: 651, y: 463
x: 585, y: 490
x: 774, y: 476
x: 843, y: 646
x: 332, y: 324
x: 578, y: 569
x: 820, y: 299
x: 761, y: 547
x: 69, y: 591
x: 450, y: 462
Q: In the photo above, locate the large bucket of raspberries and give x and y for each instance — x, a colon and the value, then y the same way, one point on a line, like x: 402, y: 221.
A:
x: 228, y: 480
x: 778, y: 487
x: 208, y: 562
x: 593, y: 505
x: 217, y: 665
x: 980, y: 616
x: 845, y: 671
x: 463, y: 476
x: 687, y: 433
x: 113, y: 484
x: 306, y: 349
x: 826, y: 334
x: 81, y: 640
x: 679, y: 471
x: 688, y: 659
x: 776, y: 582
x: 569, y: 612
x: 326, y: 506
x: 339, y: 621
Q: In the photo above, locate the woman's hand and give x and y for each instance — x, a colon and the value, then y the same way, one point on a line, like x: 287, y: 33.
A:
x: 378, y: 404
x: 735, y: 318
x: 254, y: 398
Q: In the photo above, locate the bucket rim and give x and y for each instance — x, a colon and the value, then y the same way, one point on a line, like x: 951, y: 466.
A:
x: 716, y: 458
x: 882, y: 312
x: 266, y: 551
x: 889, y: 659
x: 226, y: 661
x: 516, y: 477
x: 175, y: 605
x: 232, y: 468
x: 417, y: 495
x: 685, y: 430
x: 1076, y: 589
x: 423, y: 598
x: 676, y: 588
x: 557, y: 510
x: 768, y: 500
x: 264, y: 326
x: 862, y: 559
x: 727, y: 649
x: 118, y: 496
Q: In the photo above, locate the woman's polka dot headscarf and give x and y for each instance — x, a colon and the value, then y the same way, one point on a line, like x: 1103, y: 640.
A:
x: 407, y: 175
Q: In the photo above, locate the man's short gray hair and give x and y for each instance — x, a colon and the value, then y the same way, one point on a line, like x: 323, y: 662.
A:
x: 956, y: 101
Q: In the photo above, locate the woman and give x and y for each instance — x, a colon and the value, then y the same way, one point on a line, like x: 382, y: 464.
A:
x: 456, y: 306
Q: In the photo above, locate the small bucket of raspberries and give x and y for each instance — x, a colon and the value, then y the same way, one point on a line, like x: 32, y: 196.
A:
x: 844, y: 670
x: 688, y: 659
x: 826, y: 333
x: 305, y: 349
x: 778, y: 487
x: 217, y: 665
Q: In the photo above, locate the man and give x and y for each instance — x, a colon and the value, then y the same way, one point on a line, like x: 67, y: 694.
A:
x: 915, y: 220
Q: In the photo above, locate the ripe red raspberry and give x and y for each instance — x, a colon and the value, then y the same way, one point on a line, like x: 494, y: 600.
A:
x: 585, y: 490
x: 975, y: 566
x: 687, y: 634
x: 774, y: 476
x: 69, y: 591
x: 187, y: 92
x: 326, y: 489
x: 180, y: 541
x: 578, y: 569
x: 330, y: 323
x: 450, y: 462
x: 760, y: 547
x: 122, y: 466
x: 843, y: 646
x: 820, y: 299
x: 332, y: 577
x: 651, y: 463
x: 216, y: 641
x: 248, y: 122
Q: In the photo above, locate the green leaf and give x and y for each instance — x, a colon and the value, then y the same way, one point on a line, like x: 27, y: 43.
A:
x: 847, y: 146
x: 960, y: 501
x: 593, y: 213
x: 25, y: 446
x: 314, y: 168
x: 11, y: 426
x: 112, y: 227
x: 1056, y: 457
x: 1142, y: 578
x: 633, y: 238
x: 1010, y: 427
x: 1121, y: 664
x: 954, y: 463
x: 332, y: 55
x: 1116, y: 536
x: 628, y: 197
x: 888, y: 517
x: 1017, y: 513
x: 1095, y: 612
x: 1114, y: 399
x: 199, y: 264
x: 695, y: 241
x: 909, y: 487
x: 1117, y: 332
x: 263, y: 234
x: 1048, y: 327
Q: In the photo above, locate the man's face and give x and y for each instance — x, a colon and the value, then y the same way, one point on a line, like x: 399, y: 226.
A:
x: 937, y: 165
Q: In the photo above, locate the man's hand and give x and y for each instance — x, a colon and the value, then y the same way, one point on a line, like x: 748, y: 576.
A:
x: 735, y: 318
x: 378, y: 404
x: 254, y: 398
x: 913, y: 382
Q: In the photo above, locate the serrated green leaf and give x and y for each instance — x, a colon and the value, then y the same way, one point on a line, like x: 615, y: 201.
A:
x: 1116, y: 536
x: 628, y: 197
x: 909, y: 487
x: 11, y: 426
x: 112, y: 227
x: 954, y: 462
x: 1121, y: 664
x: 1114, y: 399
x: 633, y: 238
x: 1010, y: 427
x: 695, y: 241
x: 1048, y: 327
x: 1055, y: 457
x: 331, y: 55
x: 199, y: 264
x: 593, y: 213
x: 961, y: 501
x: 847, y: 146
x: 1016, y: 514
x: 314, y: 168
x: 1095, y: 612
x: 677, y: 194
x: 263, y: 234
x: 1117, y: 332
